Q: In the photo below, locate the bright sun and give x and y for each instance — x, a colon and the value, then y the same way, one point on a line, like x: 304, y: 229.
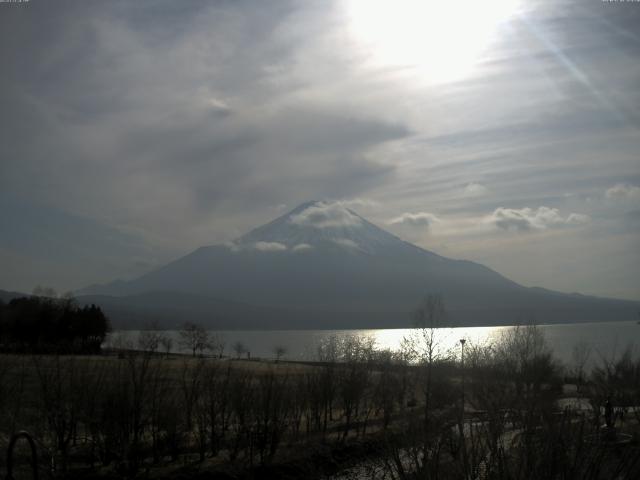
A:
x: 441, y: 39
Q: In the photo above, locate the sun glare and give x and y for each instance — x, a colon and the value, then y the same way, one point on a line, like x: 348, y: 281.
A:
x: 441, y: 40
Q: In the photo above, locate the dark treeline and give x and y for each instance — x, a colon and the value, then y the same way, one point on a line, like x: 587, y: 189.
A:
x: 39, y: 324
x: 415, y: 413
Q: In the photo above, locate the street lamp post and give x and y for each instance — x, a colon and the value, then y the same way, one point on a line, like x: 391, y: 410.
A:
x: 462, y: 342
x: 462, y: 435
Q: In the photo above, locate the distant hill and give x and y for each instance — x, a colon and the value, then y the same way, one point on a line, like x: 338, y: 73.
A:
x: 6, y: 296
x: 324, y: 266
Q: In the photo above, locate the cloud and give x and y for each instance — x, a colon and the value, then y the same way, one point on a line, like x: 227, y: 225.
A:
x: 345, y: 242
x: 183, y: 123
x: 270, y: 246
x: 623, y: 191
x: 419, y: 219
x: 475, y: 190
x: 302, y: 247
x: 219, y: 106
x: 360, y: 203
x: 215, y: 126
x: 578, y: 219
x: 526, y: 219
x: 326, y: 215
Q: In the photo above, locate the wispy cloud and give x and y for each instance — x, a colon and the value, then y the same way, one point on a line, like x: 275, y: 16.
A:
x: 302, y: 247
x: 418, y: 219
x: 526, y: 219
x: 270, y: 246
x: 475, y: 190
x: 623, y: 191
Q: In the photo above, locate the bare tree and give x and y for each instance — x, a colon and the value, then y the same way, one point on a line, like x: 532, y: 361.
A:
x: 279, y: 351
x: 167, y: 343
x: 527, y: 358
x: 328, y: 353
x: 194, y: 337
x: 217, y: 345
x: 424, y: 346
x: 149, y: 340
x: 617, y: 379
x: 239, y: 348
x: 191, y: 383
x: 354, y: 377
x: 580, y: 356
x: 270, y: 412
x: 161, y: 397
x: 60, y: 394
x: 428, y: 318
x: 119, y: 341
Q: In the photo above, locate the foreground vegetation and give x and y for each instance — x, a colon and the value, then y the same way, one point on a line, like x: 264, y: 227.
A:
x: 394, y: 415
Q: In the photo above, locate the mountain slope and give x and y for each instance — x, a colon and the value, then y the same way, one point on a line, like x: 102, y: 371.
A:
x: 323, y: 266
x: 6, y: 296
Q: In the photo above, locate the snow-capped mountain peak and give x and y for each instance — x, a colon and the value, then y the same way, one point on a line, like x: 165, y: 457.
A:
x: 318, y: 224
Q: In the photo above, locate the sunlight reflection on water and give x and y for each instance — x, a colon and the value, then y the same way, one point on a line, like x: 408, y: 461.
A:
x: 604, y: 339
x: 448, y: 339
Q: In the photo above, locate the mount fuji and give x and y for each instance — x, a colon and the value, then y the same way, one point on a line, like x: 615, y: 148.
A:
x: 324, y: 266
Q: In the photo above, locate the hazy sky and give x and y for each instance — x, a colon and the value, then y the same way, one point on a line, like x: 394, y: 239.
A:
x: 503, y: 132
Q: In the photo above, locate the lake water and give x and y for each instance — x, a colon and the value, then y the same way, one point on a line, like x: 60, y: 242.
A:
x: 606, y: 340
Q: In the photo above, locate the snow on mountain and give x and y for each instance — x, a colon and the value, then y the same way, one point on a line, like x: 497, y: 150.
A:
x: 319, y: 224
